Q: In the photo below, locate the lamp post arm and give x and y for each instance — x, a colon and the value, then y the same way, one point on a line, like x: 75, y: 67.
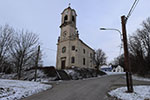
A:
x: 111, y: 29
x: 114, y: 29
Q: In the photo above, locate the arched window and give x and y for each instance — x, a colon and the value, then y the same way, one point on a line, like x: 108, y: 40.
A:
x: 63, y: 49
x: 91, y: 55
x: 65, y: 18
x: 84, y: 51
x: 72, y: 59
x: 83, y: 61
x: 73, y: 48
x: 73, y: 19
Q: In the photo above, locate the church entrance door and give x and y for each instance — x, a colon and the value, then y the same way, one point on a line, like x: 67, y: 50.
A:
x: 63, y: 64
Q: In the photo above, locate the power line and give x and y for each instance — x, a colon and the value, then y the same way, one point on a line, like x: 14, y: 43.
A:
x: 132, y: 9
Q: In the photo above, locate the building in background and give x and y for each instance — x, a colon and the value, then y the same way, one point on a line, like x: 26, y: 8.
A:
x: 71, y: 50
x: 106, y: 68
x: 118, y: 69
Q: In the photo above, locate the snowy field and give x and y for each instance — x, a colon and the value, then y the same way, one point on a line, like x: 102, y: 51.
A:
x: 140, y: 93
x: 15, y: 89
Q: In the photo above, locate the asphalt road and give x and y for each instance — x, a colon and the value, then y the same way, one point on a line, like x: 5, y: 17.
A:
x: 89, y: 89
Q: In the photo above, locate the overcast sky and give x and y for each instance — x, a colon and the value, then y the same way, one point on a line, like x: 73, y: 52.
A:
x: 43, y: 17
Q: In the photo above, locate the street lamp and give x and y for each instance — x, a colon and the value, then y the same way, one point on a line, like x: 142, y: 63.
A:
x: 102, y: 28
x: 127, y: 66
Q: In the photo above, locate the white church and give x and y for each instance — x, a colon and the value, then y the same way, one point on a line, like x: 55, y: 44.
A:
x: 71, y: 50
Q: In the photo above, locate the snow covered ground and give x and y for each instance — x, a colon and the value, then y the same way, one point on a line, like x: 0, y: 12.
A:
x: 15, y: 89
x: 114, y: 73
x: 140, y: 78
x: 134, y: 77
x: 140, y: 93
x: 29, y: 76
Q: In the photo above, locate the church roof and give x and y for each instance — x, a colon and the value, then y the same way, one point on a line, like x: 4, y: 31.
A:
x: 69, y: 8
x: 86, y: 45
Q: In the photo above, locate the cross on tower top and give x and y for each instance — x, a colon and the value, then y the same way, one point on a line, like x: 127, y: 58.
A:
x: 69, y: 4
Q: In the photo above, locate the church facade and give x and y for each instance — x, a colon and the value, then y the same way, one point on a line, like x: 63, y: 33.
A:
x: 71, y: 50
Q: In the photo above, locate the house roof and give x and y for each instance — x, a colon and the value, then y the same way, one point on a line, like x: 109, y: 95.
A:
x: 105, y: 66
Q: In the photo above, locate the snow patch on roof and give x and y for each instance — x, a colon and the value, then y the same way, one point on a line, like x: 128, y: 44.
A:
x: 105, y: 66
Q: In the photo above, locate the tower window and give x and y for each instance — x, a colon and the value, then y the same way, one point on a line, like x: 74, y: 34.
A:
x: 63, y: 49
x: 65, y: 18
x: 83, y: 61
x: 73, y: 48
x: 73, y: 19
x: 72, y: 59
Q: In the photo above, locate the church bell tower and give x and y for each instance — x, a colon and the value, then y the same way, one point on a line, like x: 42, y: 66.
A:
x: 68, y: 25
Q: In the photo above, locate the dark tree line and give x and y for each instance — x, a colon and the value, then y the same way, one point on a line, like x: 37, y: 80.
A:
x: 18, y: 50
x: 139, y: 49
x: 139, y: 46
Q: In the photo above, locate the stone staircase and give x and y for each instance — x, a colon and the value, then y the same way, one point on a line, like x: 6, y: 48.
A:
x: 62, y: 75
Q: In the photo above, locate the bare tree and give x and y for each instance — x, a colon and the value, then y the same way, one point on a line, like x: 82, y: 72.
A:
x: 100, y: 58
x: 23, y: 49
x: 6, y: 35
x: 118, y: 61
x: 31, y: 62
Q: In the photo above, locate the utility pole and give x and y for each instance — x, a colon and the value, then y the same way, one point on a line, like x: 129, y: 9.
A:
x: 126, y: 55
x: 36, y: 63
